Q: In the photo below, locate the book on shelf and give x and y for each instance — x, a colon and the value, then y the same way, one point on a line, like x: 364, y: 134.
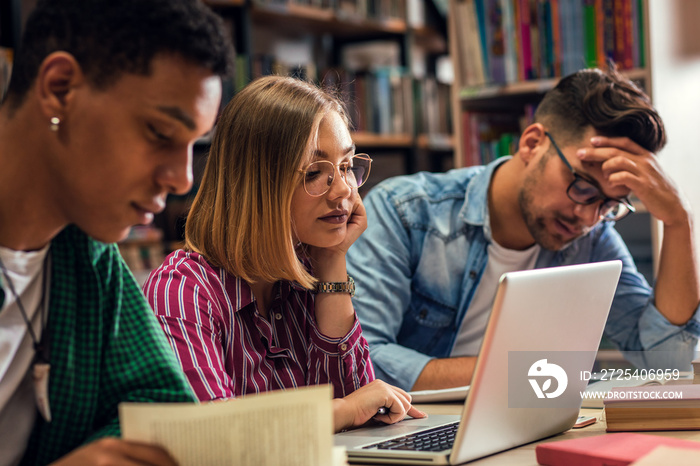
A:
x: 382, y: 11
x: 571, y: 26
x: 650, y: 408
x: 619, y: 449
x: 524, y: 28
x: 494, y: 40
x: 380, y: 101
x: 434, y: 106
x: 510, y: 42
x: 491, y: 134
x: 415, y: 13
x: 505, y: 41
x: 371, y: 54
x: 380, y: 96
x: 469, y: 50
x: 379, y: 10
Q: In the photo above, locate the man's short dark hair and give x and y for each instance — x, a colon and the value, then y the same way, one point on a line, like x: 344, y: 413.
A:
x: 606, y: 101
x: 109, y: 38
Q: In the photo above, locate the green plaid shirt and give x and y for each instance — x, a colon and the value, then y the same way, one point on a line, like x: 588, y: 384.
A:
x: 106, y: 347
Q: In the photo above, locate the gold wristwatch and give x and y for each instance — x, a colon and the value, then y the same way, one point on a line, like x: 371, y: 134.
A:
x: 337, y: 287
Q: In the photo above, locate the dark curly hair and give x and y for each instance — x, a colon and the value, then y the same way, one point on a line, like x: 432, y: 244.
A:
x: 606, y: 101
x: 111, y: 37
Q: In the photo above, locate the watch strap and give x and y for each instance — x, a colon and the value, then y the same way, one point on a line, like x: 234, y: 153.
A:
x: 337, y: 287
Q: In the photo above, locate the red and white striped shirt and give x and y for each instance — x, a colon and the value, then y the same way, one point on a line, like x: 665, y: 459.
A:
x: 228, y: 349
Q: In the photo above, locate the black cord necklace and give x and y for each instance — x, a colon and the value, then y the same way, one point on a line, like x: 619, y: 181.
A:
x: 40, y: 365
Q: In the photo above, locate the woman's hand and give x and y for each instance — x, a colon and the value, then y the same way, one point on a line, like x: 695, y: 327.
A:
x: 329, y: 263
x: 335, y: 316
x: 356, y: 224
x: 361, y: 405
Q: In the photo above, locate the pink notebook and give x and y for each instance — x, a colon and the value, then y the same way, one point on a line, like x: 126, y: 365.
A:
x: 605, y: 450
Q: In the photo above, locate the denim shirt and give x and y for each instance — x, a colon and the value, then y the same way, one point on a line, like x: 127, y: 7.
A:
x: 418, y: 264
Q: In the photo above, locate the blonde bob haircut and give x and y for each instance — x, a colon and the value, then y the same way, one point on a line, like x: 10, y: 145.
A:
x: 241, y: 219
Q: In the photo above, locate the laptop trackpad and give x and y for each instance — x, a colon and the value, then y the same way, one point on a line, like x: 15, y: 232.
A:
x: 377, y: 432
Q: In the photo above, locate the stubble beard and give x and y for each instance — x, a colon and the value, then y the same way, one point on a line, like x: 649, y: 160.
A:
x: 536, y: 223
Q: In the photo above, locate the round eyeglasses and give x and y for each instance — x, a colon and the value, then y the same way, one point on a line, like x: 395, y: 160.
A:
x: 584, y: 192
x: 319, y: 175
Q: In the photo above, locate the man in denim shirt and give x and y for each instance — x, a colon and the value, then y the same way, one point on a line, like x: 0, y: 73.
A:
x: 428, y: 265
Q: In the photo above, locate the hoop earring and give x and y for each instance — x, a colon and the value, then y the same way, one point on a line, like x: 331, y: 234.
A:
x: 54, y: 124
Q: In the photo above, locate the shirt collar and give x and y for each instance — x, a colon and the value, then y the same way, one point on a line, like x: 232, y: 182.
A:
x: 244, y: 293
x: 475, y: 210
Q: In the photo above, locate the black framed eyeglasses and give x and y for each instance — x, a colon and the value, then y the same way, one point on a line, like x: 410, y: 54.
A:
x: 586, y: 192
x: 319, y: 175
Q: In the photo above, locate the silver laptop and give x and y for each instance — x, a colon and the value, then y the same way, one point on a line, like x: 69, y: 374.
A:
x: 544, y: 329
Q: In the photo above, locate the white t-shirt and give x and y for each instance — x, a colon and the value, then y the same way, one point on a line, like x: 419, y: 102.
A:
x: 500, y: 261
x: 17, y: 407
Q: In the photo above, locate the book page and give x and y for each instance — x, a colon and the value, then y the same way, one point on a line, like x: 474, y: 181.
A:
x: 292, y: 427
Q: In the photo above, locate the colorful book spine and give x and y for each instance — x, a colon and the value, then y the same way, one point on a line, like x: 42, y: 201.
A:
x: 609, y: 36
x: 578, y: 58
x: 510, y: 44
x: 495, y: 38
x: 590, y: 33
x: 547, y: 41
x: 504, y: 41
x: 482, y: 22
x: 627, y: 26
x: 641, y: 40
x: 525, y: 40
x: 556, y: 37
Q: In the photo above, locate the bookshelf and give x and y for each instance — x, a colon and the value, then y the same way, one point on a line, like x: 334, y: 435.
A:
x: 519, y: 49
x: 380, y: 55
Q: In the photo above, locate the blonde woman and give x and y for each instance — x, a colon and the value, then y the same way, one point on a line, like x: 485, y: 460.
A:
x: 260, y: 299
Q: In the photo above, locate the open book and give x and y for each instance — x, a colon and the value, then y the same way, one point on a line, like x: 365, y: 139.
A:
x: 291, y: 427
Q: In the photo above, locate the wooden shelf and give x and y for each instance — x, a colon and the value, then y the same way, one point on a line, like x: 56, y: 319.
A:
x: 430, y: 39
x: 224, y: 3
x: 535, y: 86
x: 294, y: 19
x: 364, y: 139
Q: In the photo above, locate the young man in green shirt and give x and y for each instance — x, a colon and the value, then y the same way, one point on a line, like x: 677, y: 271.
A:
x: 105, y: 102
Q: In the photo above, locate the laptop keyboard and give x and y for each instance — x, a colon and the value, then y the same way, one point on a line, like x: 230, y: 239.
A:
x: 435, y: 439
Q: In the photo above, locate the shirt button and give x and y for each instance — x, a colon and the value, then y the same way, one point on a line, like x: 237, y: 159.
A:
x: 472, y: 274
x: 278, y: 316
x: 343, y: 346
